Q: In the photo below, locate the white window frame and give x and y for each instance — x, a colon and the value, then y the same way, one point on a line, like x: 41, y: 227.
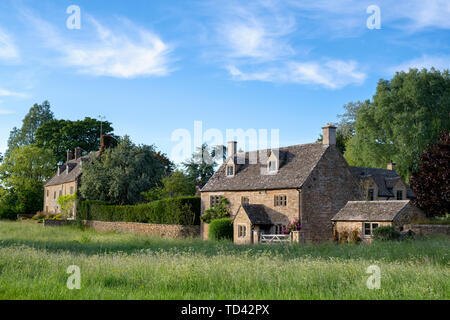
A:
x: 371, y: 228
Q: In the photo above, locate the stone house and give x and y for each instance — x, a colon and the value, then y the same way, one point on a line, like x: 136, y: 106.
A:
x: 311, y: 182
x: 360, y: 218
x: 65, y: 182
x: 67, y: 179
x: 267, y: 189
x: 382, y: 184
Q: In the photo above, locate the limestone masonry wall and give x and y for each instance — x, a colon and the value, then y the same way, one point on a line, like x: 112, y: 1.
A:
x: 428, y: 229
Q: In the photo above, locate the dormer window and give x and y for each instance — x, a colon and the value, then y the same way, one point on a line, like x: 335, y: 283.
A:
x: 230, y: 171
x: 272, y: 166
x: 273, y: 162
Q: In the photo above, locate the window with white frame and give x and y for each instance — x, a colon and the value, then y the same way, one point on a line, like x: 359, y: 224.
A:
x: 272, y: 166
x: 369, y: 227
x: 278, y: 229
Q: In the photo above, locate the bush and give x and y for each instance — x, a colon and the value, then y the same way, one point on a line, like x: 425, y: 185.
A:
x: 219, y: 211
x: 355, y: 238
x: 182, y: 211
x: 387, y: 233
x: 220, y: 229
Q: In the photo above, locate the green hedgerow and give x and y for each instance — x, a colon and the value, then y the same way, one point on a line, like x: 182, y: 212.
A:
x: 221, y: 229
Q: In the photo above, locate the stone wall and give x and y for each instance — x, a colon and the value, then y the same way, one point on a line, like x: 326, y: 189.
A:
x: 162, y: 230
x: 58, y: 223
x: 428, y: 229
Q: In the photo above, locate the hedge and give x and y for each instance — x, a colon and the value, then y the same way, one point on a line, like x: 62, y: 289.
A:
x: 220, y: 229
x: 181, y: 211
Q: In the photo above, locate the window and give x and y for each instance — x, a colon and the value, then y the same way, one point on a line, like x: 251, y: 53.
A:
x: 60, y: 193
x: 214, y: 200
x: 272, y: 166
x: 71, y: 190
x: 242, y: 231
x: 280, y: 201
x: 399, y: 194
x: 369, y: 228
x: 371, y: 195
x: 245, y: 200
x: 47, y: 193
x: 54, y: 195
x: 230, y: 171
x: 278, y: 229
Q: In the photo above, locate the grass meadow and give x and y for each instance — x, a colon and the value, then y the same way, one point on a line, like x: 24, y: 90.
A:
x: 34, y: 260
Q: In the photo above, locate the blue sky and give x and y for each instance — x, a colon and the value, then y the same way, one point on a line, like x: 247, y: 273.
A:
x: 152, y: 67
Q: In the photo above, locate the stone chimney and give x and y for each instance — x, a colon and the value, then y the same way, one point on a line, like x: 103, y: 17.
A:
x: 232, y: 148
x: 329, y: 135
x: 77, y: 153
x: 106, y: 141
x: 60, y: 169
x: 69, y: 156
x: 391, y: 166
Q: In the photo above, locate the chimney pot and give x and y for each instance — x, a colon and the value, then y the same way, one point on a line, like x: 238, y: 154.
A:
x: 69, y: 155
x: 391, y: 166
x: 329, y: 135
x: 77, y: 153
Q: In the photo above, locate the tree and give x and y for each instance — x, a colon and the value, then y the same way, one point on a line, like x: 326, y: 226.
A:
x: 200, y: 168
x: 23, y: 174
x: 406, y: 114
x: 62, y: 135
x: 122, y: 173
x: 176, y: 185
x: 431, y: 183
x: 36, y: 117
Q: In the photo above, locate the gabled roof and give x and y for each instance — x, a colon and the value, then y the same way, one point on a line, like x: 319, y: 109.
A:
x: 385, y: 210
x: 296, y: 164
x: 384, y: 178
x: 73, y: 174
x: 257, y: 214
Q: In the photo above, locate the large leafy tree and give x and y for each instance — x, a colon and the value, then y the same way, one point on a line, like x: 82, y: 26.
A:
x: 176, y: 185
x: 26, y: 135
x: 406, y: 114
x: 62, y: 135
x: 431, y: 183
x: 122, y: 173
x: 23, y: 174
x: 200, y: 167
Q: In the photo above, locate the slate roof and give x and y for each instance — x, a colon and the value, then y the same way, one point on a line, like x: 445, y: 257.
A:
x: 296, y: 164
x: 385, y: 210
x: 384, y: 178
x: 73, y: 174
x: 257, y: 214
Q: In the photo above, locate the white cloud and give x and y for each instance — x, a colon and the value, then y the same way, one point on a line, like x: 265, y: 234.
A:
x: 8, y: 49
x: 7, y: 93
x: 331, y: 74
x: 127, y: 51
x: 426, y: 61
x: 5, y: 112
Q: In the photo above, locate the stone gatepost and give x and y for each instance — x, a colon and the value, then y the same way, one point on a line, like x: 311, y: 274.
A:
x: 297, y: 237
x: 255, y: 237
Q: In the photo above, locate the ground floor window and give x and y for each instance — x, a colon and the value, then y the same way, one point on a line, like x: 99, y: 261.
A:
x: 369, y: 227
x: 214, y: 200
x: 278, y: 229
x: 242, y: 230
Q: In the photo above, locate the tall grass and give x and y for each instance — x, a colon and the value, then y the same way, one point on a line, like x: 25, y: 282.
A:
x: 33, y: 263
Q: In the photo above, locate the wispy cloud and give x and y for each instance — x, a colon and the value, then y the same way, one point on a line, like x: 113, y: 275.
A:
x: 425, y: 61
x: 126, y: 51
x: 333, y: 74
x: 8, y: 49
x: 7, y: 93
x: 5, y: 112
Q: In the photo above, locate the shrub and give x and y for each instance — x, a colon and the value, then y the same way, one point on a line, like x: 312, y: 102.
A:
x: 355, y: 238
x: 183, y: 211
x: 344, y: 236
x: 219, y: 211
x: 386, y: 233
x: 220, y: 229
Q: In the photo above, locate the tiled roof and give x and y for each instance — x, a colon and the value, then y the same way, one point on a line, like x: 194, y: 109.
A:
x: 257, y: 214
x: 385, y: 210
x: 72, y: 174
x: 296, y: 164
x: 384, y: 178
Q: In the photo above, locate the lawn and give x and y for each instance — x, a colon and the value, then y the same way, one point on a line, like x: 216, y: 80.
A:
x: 34, y: 260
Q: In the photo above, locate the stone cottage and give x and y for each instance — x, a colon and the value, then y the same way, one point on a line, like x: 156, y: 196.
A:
x: 67, y: 179
x: 267, y: 189
x: 361, y: 218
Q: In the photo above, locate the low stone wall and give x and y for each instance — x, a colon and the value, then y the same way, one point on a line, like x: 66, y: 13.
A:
x: 162, y: 230
x: 428, y: 229
x: 58, y: 223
